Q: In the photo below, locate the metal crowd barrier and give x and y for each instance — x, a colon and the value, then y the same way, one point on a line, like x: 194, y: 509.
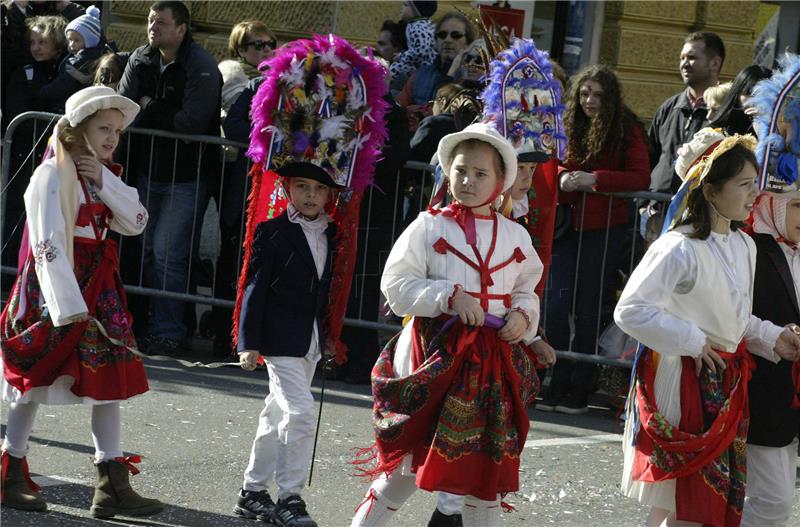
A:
x: 410, y: 195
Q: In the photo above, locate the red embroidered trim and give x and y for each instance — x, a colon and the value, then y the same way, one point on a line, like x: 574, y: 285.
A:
x: 524, y: 314
x: 441, y: 246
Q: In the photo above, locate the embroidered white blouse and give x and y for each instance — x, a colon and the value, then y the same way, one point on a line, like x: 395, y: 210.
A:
x: 46, y: 230
x: 420, y: 274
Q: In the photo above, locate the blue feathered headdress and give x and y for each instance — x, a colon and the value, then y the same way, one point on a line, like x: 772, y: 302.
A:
x: 523, y: 100
x: 777, y: 125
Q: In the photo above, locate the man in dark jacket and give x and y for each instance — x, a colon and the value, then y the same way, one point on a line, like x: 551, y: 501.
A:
x: 684, y: 114
x: 177, y: 84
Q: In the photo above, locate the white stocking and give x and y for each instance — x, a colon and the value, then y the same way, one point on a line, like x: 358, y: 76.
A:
x: 106, y: 423
x: 20, y: 424
x: 384, y: 497
x: 480, y: 513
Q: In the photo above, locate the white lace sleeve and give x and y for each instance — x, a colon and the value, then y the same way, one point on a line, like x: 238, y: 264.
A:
x: 59, y: 286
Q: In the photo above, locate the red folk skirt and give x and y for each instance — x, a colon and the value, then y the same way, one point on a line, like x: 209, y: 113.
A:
x: 706, y: 453
x: 35, y: 353
x: 461, y: 414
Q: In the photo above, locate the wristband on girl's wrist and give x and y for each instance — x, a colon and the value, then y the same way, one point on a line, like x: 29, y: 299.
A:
x: 525, y: 315
x: 456, y: 289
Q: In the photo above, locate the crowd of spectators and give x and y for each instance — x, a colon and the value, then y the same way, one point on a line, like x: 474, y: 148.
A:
x: 436, y: 73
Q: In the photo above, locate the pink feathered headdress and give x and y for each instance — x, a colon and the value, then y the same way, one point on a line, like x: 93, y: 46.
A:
x: 321, y: 102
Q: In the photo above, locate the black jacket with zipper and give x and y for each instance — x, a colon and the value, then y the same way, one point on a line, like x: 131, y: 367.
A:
x: 185, y: 99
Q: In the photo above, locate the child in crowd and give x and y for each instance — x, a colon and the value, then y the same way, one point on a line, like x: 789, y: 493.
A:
x: 85, y: 44
x: 466, y: 275
x: 689, y: 303
x: 317, y: 127
x: 420, y: 40
x: 713, y: 96
x: 774, y: 388
x: 65, y: 331
x: 522, y: 73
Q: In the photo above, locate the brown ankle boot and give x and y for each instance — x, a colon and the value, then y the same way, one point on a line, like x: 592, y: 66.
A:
x: 114, y: 495
x: 19, y: 491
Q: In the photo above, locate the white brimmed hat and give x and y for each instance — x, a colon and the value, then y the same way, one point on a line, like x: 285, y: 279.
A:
x: 87, y: 101
x: 488, y: 134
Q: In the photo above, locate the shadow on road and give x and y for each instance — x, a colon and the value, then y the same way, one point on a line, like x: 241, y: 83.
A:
x: 77, y: 498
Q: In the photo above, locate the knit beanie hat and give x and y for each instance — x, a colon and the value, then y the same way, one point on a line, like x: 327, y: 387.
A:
x: 425, y: 8
x: 88, y: 26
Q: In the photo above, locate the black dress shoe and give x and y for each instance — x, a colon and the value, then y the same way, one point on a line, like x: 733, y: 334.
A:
x: 440, y: 519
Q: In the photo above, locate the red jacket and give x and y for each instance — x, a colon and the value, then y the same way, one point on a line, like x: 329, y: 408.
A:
x: 631, y: 173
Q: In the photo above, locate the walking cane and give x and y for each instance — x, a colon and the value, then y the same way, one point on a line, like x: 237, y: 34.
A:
x: 319, y: 420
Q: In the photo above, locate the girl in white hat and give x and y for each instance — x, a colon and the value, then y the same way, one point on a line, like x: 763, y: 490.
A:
x: 689, y: 303
x: 451, y: 390
x: 65, y: 331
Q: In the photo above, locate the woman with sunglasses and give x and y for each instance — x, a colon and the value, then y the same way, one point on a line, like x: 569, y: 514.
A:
x: 468, y: 66
x: 453, y: 34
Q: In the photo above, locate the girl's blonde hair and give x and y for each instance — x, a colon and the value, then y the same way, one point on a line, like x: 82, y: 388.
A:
x: 50, y: 27
x: 239, y: 34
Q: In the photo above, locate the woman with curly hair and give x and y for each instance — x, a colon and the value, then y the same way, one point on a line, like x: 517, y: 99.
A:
x: 606, y: 152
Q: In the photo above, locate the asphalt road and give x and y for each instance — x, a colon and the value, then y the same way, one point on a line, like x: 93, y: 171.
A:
x: 194, y: 429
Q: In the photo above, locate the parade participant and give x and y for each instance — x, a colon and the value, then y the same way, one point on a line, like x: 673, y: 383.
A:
x: 773, y: 390
x: 317, y: 126
x: 66, y: 332
x: 522, y: 102
x: 689, y: 304
x: 466, y: 275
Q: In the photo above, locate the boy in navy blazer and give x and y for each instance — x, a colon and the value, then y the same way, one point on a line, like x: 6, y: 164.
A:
x: 281, y: 319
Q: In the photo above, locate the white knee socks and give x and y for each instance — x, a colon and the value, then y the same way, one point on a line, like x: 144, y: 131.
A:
x: 480, y: 513
x: 20, y: 424
x: 106, y: 423
x: 384, y: 497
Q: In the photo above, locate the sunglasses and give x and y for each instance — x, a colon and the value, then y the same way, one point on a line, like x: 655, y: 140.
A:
x: 261, y: 44
x: 455, y: 35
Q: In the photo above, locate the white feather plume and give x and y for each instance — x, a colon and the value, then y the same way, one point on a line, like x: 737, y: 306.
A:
x: 333, y: 128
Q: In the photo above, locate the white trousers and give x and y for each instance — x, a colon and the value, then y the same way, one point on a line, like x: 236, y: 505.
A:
x: 388, y: 493
x: 105, y: 430
x: 771, y: 474
x: 285, y: 436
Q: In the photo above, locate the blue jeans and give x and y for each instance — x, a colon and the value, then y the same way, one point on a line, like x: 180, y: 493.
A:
x: 167, y: 242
